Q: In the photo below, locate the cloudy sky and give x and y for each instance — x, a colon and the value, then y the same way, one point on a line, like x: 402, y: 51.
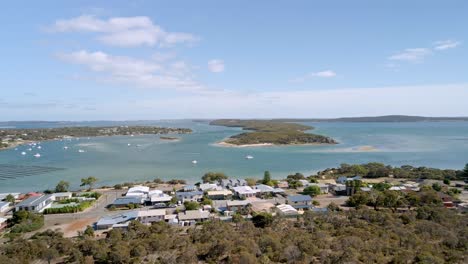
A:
x: 120, y: 60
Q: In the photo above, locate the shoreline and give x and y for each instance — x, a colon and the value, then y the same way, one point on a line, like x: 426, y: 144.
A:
x: 230, y: 145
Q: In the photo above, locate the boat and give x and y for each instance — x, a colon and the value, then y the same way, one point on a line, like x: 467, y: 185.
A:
x: 129, y: 144
x: 23, y: 153
x: 81, y: 151
x: 194, y: 162
x: 65, y: 147
x: 37, y: 155
x: 29, y: 149
x: 249, y: 157
x: 39, y: 147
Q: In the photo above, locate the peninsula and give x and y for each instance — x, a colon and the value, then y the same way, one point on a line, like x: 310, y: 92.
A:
x: 270, y: 132
x: 14, y: 137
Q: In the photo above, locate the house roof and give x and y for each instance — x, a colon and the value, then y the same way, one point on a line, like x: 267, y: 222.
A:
x: 193, y: 215
x: 208, y: 186
x: 4, y: 204
x: 156, y: 212
x: 221, y: 192
x: 237, y: 203
x: 127, y: 200
x: 190, y: 187
x: 34, y: 200
x: 63, y: 194
x: 299, y: 198
x: 244, y: 190
x: 138, y: 189
x: 264, y: 188
x: 118, y: 218
x: 188, y: 194
x: 160, y: 197
x: 286, y: 209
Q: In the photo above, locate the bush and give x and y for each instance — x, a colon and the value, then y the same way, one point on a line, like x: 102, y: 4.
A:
x: 24, y: 221
x: 69, y: 209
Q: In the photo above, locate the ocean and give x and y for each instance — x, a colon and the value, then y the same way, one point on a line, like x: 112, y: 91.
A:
x: 111, y: 160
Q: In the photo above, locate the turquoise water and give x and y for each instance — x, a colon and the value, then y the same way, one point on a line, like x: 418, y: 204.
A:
x: 435, y: 144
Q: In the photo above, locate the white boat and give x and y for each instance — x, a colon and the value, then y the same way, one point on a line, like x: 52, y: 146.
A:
x: 81, y: 151
x: 29, y: 149
x: 65, y: 147
x: 37, y: 155
x: 39, y: 147
x: 23, y: 153
x: 129, y: 144
x: 194, y: 162
x: 249, y: 157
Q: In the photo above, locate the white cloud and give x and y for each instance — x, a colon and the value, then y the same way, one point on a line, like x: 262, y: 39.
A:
x: 216, y: 66
x: 127, y: 70
x: 411, y: 55
x: 446, y: 44
x: 320, y: 74
x: 123, y: 31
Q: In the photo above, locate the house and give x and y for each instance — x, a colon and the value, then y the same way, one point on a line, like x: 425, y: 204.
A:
x: 219, y: 195
x: 171, y: 219
x: 264, y: 189
x: 138, y: 191
x: 150, y: 216
x: 62, y: 196
x: 189, y: 188
x: 35, y: 203
x: 262, y: 206
x: 158, y: 196
x: 231, y: 183
x: 126, y: 201
x: 236, y: 205
x: 4, y: 206
x: 193, y: 215
x: 3, y: 223
x: 286, y: 210
x: 300, y: 201
x: 107, y: 222
x: 244, y: 192
x: 305, y: 183
x: 282, y: 184
x: 339, y: 189
x: 447, y: 200
x: 209, y: 187
x: 189, y: 196
x: 344, y: 179
x: 323, y: 187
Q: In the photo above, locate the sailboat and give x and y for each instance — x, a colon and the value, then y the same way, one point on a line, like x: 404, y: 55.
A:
x: 194, y: 162
x: 81, y: 151
x: 249, y: 157
x: 23, y: 153
x: 37, y: 155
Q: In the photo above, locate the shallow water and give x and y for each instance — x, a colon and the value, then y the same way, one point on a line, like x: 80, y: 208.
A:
x: 436, y: 144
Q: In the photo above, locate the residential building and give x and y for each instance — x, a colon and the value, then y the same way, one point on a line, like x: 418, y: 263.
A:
x: 189, y: 188
x: 282, y: 184
x: 107, y: 222
x: 263, y: 189
x: 35, y: 203
x: 62, y: 196
x: 150, y: 216
x: 219, y: 195
x: 231, y: 183
x: 300, y: 201
x: 189, y: 196
x: 209, y: 187
x: 236, y: 205
x: 126, y: 201
x: 244, y: 192
x: 4, y: 206
x: 190, y: 217
x: 286, y: 210
x: 323, y: 187
x: 139, y: 190
x: 158, y: 196
x: 339, y: 189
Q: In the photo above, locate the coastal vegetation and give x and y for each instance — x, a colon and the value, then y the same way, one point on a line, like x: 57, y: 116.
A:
x: 429, y: 234
x: 378, y: 170
x: 13, y: 137
x: 271, y: 132
x: 24, y: 221
x: 387, y: 118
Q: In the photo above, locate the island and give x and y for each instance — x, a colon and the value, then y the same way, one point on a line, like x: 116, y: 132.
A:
x: 270, y: 132
x: 14, y: 137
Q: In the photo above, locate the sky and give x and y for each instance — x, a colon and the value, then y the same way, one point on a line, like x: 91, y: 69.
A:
x: 148, y: 60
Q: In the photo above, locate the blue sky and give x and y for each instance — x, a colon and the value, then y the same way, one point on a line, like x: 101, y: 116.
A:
x: 94, y: 60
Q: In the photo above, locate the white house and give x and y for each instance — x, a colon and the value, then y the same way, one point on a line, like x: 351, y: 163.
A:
x: 35, y: 203
x: 138, y: 191
x: 219, y: 195
x: 62, y: 196
x: 189, y: 217
x: 158, y: 196
x: 4, y: 206
x: 245, y: 191
x: 286, y: 209
x: 150, y: 216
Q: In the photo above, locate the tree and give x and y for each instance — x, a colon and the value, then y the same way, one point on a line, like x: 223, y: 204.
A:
x: 447, y: 181
x: 312, y: 190
x: 251, y: 181
x: 90, y: 181
x: 62, y: 186
x: 10, y: 198
x: 436, y: 186
x: 267, y: 178
x: 211, y: 177
x: 191, y: 205
x: 89, y: 231
x: 262, y: 220
x: 465, y: 171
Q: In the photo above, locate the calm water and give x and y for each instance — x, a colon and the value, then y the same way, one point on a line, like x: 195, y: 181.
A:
x: 437, y: 144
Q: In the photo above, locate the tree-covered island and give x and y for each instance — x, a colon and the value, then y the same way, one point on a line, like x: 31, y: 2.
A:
x: 268, y: 132
x: 14, y: 137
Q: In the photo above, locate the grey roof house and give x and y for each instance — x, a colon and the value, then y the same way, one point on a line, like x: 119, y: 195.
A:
x: 35, y: 203
x: 300, y: 201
